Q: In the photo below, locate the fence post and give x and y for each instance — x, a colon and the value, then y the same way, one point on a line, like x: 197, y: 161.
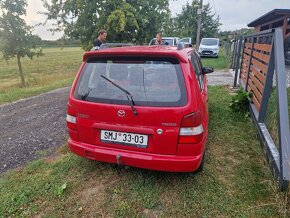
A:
x: 234, y: 52
x: 283, y: 116
x: 238, y: 57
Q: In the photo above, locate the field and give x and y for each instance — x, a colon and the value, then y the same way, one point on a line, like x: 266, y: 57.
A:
x: 236, y: 181
x: 56, y: 68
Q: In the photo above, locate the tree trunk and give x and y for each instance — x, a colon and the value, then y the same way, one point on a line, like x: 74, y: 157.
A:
x: 20, y: 71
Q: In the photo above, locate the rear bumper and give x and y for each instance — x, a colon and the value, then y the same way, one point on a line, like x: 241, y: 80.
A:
x: 169, y: 163
x: 208, y: 54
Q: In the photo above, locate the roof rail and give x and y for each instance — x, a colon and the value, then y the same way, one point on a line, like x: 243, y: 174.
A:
x: 112, y: 45
x: 182, y: 45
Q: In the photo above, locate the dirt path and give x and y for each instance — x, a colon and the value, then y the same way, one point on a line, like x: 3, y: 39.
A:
x: 32, y: 127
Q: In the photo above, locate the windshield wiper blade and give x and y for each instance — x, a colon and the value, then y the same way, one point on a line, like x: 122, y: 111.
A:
x: 84, y: 96
x: 128, y: 94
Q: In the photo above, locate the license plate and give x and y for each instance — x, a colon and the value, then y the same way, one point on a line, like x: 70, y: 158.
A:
x: 126, y: 138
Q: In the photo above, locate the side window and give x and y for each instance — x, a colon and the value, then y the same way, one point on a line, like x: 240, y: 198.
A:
x: 200, y: 67
x: 197, y: 69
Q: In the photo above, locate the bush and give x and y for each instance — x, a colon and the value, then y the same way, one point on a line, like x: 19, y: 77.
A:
x: 239, y: 102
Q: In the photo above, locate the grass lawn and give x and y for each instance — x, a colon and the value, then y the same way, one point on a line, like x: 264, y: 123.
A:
x: 235, y: 183
x: 271, y: 120
x: 56, y: 68
x: 222, y: 62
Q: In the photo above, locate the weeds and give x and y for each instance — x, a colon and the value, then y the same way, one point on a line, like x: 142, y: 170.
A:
x: 240, y: 101
x: 60, y: 190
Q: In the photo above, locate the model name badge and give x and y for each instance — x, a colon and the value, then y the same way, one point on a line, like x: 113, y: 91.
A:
x: 168, y: 124
x: 83, y: 115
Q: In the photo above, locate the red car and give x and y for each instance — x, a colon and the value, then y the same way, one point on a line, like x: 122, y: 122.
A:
x: 141, y: 106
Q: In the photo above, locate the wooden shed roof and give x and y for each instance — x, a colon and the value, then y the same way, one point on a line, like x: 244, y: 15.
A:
x: 272, y: 15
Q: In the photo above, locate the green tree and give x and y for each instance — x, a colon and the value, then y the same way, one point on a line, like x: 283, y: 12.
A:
x: 126, y: 20
x: 152, y: 16
x: 245, y: 31
x: 15, y: 36
x: 209, y: 22
x: 121, y: 22
x: 225, y: 36
x: 186, y: 22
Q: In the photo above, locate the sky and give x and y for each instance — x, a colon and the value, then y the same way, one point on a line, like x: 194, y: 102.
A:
x: 234, y: 14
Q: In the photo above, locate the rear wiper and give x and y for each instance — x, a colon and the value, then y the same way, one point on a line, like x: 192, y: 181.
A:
x: 128, y: 94
x: 85, y: 95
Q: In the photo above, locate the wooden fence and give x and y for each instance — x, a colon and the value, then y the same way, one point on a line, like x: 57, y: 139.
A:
x: 262, y: 55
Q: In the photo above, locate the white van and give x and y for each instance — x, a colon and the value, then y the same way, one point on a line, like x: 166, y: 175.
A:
x: 209, y: 47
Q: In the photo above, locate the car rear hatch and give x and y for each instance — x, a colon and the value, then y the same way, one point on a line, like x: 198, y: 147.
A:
x: 133, y: 103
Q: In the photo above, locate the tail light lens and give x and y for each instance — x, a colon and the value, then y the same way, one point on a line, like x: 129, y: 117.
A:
x: 71, y: 119
x: 191, y: 129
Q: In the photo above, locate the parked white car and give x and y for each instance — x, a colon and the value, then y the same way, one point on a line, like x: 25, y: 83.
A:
x: 209, y: 47
x: 171, y: 41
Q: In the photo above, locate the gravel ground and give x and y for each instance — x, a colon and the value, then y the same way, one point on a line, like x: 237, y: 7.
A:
x: 31, y: 128
x: 220, y: 78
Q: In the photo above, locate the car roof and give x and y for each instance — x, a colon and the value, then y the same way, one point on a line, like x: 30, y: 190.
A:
x: 167, y: 37
x: 141, y: 51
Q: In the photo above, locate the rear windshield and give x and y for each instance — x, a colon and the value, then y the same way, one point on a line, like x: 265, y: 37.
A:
x: 151, y: 82
x: 209, y: 42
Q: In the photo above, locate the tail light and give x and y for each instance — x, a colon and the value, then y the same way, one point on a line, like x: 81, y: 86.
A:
x: 71, y: 119
x: 191, y: 129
